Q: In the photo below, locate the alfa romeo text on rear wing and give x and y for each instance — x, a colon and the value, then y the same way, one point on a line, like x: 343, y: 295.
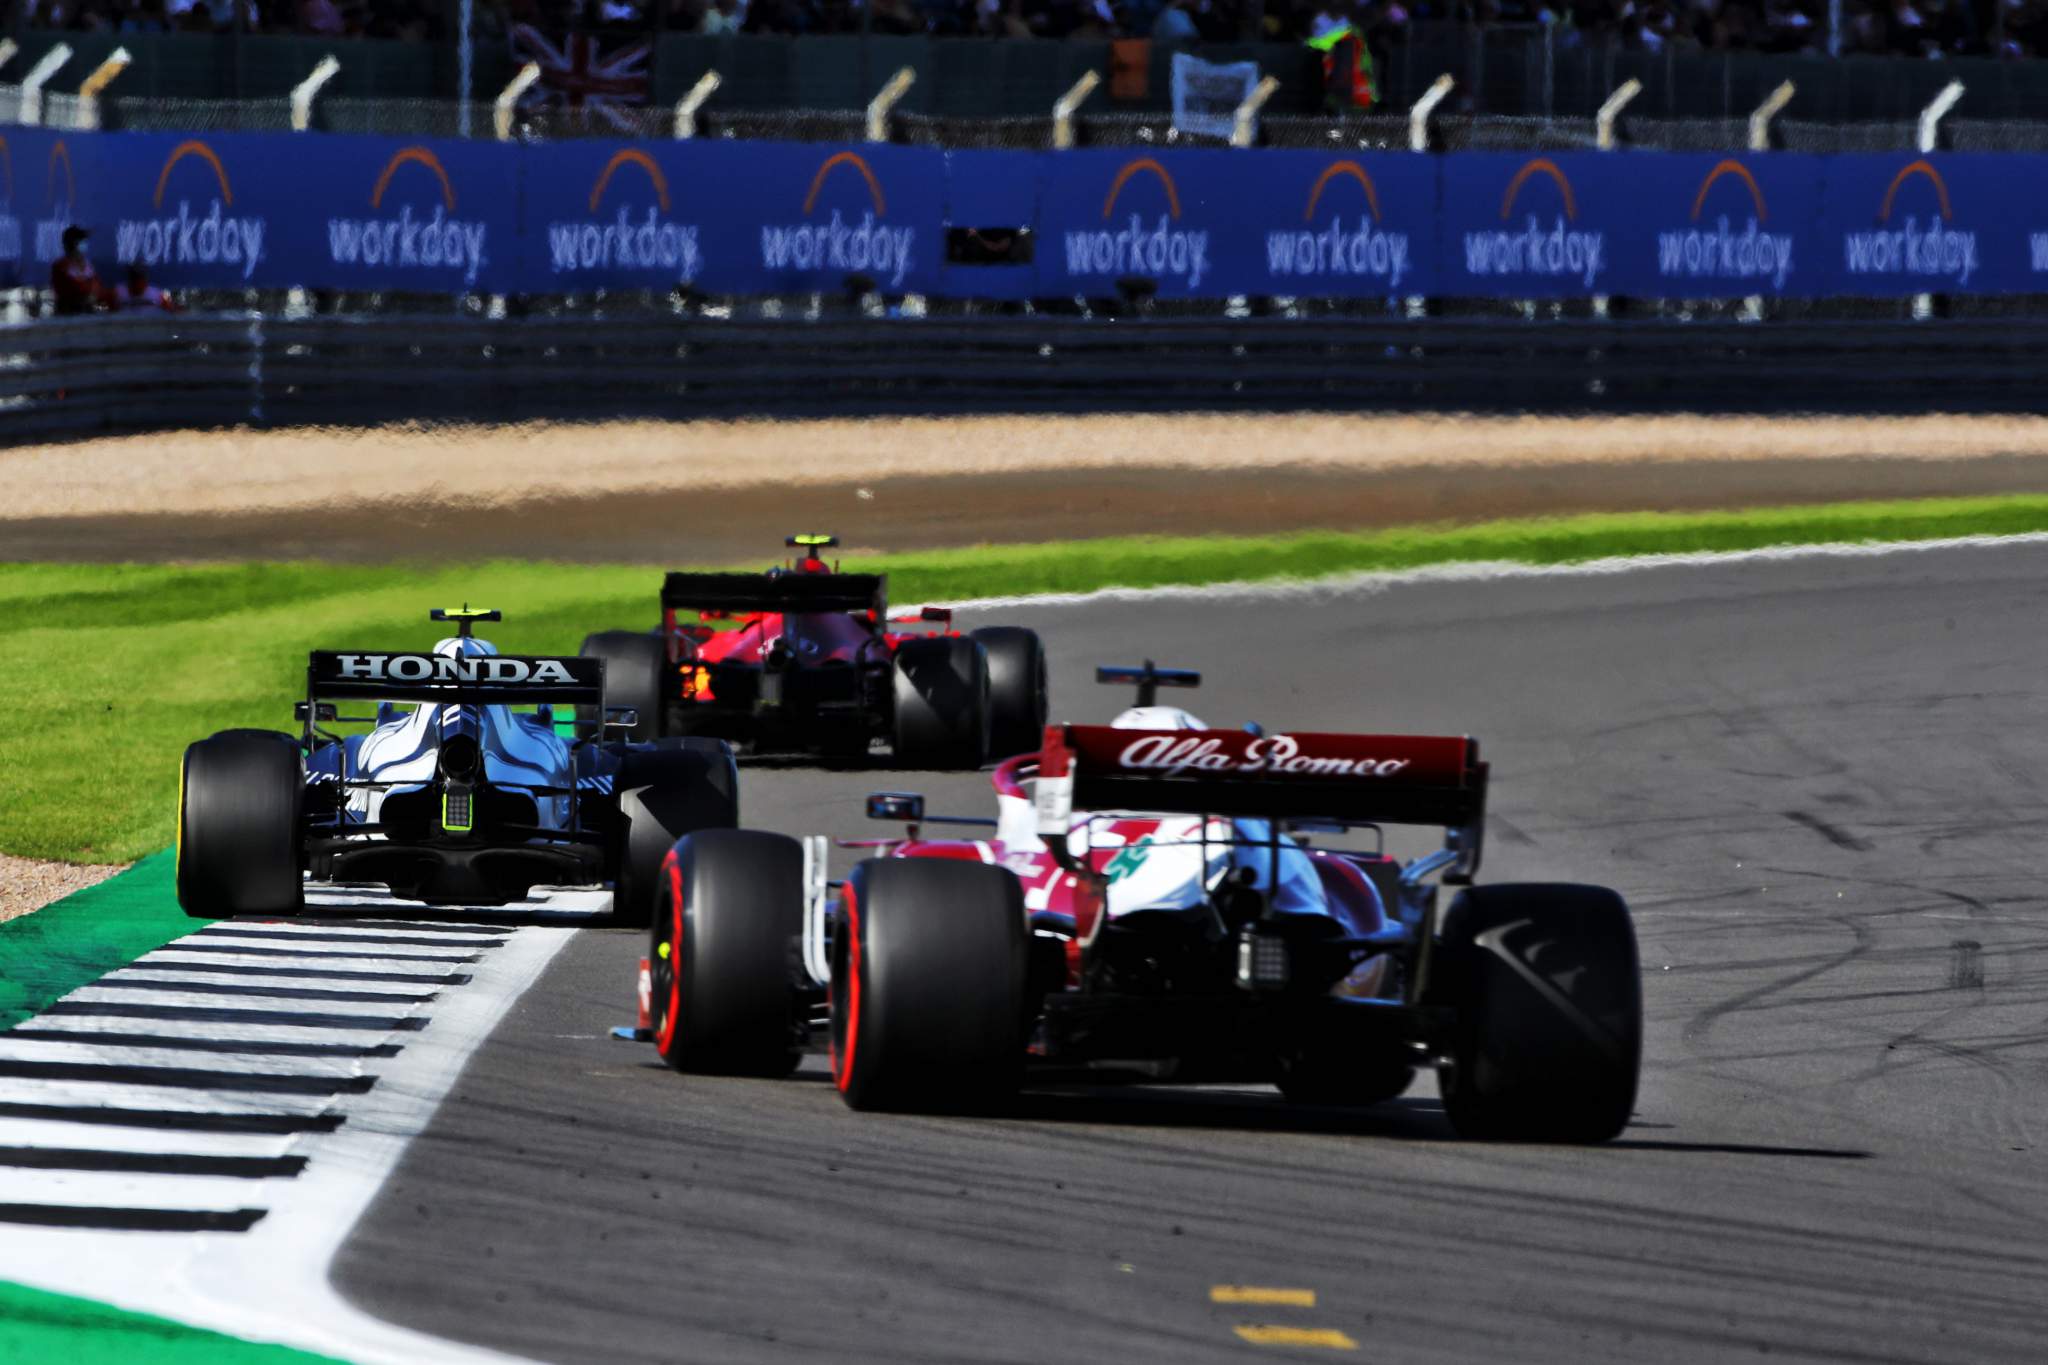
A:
x: 1377, y: 779
x: 492, y: 679
x: 792, y: 592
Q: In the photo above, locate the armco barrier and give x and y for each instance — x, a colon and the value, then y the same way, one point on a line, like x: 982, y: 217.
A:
x: 736, y: 217
x: 84, y: 376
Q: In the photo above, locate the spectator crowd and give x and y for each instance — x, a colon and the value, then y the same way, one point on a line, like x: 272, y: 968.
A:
x: 1914, y: 28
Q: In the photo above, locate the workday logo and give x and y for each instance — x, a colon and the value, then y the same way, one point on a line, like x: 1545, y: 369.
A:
x: 631, y: 242
x: 869, y: 247
x: 1161, y: 250
x: 10, y: 225
x: 1553, y: 249
x: 410, y: 240
x: 1718, y: 250
x: 1936, y: 252
x: 58, y: 214
x: 1369, y: 252
x: 212, y: 235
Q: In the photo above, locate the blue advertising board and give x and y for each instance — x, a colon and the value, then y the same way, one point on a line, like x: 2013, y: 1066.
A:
x: 724, y: 216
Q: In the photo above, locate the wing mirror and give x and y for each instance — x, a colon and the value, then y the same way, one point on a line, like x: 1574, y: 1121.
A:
x: 904, y: 806
x: 621, y: 717
x: 322, y: 711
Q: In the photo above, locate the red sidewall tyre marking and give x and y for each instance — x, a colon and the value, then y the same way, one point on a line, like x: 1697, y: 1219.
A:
x: 666, y: 1038
x: 842, y: 1067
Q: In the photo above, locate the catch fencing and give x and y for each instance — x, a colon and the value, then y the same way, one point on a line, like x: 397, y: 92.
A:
x: 94, y: 375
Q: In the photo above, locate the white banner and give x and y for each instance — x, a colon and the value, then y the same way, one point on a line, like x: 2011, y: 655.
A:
x: 1206, y: 94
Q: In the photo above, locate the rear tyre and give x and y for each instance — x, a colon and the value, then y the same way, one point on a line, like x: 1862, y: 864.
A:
x: 634, y: 666
x: 1016, y: 689
x: 928, y: 969
x: 728, y: 914
x: 1548, y: 1000
x: 679, y: 788
x: 241, y: 810
x: 942, y: 703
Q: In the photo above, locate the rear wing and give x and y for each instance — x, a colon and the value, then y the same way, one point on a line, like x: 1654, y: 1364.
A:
x: 790, y: 592
x: 493, y: 679
x: 1377, y: 779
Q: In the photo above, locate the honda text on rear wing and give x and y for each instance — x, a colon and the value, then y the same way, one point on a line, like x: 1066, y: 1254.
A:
x: 1378, y: 779
x: 741, y: 593
x: 492, y: 679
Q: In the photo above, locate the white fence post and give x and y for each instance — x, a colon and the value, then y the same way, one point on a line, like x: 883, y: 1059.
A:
x: 1418, y: 141
x: 1603, y: 122
x: 38, y: 76
x: 1930, y: 138
x: 688, y: 105
x: 1244, y: 121
x: 102, y: 76
x: 1418, y: 117
x: 8, y: 47
x: 501, y: 108
x: 1064, y: 109
x: 885, y: 100
x: 1760, y: 121
x: 1932, y: 115
x: 323, y: 71
x: 1603, y: 138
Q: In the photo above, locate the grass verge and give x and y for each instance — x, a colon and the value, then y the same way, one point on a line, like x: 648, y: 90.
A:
x: 113, y: 669
x: 40, y: 1326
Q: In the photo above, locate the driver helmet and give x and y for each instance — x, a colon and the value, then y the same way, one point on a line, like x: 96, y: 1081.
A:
x: 1157, y: 718
x: 455, y: 647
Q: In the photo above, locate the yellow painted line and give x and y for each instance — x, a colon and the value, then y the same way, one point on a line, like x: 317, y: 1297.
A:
x: 1251, y: 1293
x: 1298, y: 1336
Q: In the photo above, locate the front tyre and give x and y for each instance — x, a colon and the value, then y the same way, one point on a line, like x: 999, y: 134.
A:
x: 635, y: 666
x: 928, y: 971
x: 728, y: 917
x: 1545, y: 988
x: 941, y: 703
x: 1016, y: 689
x: 241, y: 813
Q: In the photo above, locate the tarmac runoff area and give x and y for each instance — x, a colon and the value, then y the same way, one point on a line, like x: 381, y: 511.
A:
x: 729, y: 491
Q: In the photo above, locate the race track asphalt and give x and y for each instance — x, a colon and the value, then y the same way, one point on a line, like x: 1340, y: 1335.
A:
x: 1819, y: 782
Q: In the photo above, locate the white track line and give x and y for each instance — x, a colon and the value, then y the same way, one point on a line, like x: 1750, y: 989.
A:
x: 270, y: 1282
x: 111, y: 1137
x: 87, y: 1052
x: 1488, y: 571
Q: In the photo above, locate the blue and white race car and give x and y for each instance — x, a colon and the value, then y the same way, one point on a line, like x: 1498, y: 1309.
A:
x: 451, y: 797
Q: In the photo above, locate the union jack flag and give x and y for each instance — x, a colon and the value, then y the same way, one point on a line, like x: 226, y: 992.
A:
x: 580, y: 76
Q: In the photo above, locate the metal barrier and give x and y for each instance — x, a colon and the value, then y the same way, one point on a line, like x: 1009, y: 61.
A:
x: 88, y: 376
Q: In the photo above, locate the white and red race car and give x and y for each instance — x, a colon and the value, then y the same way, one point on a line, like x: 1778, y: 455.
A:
x: 1155, y: 899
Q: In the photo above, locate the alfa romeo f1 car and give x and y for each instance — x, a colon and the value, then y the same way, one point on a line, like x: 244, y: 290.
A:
x: 1156, y: 899
x: 451, y: 796
x: 809, y: 663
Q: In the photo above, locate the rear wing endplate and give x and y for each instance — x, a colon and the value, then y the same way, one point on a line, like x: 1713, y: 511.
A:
x: 791, y: 592
x: 493, y: 679
x: 1377, y: 779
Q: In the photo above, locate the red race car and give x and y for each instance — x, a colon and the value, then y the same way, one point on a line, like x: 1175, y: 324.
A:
x: 803, y: 658
x: 1149, y: 902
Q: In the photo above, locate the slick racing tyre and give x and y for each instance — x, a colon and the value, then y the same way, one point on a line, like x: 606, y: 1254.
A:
x: 928, y: 970
x: 241, y: 807
x: 677, y: 788
x: 942, y: 703
x: 1548, y: 1001
x: 635, y: 665
x: 1016, y: 690
x: 728, y: 914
